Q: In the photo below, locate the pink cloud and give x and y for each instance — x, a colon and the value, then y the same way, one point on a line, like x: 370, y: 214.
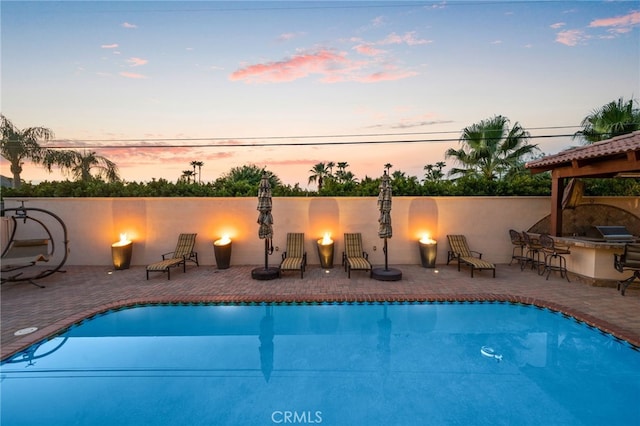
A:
x: 387, y: 76
x: 570, y: 37
x: 558, y: 25
x: 109, y: 46
x: 323, y: 62
x: 128, y: 25
x: 136, y: 62
x: 630, y: 20
x: 132, y: 75
x: 368, y: 50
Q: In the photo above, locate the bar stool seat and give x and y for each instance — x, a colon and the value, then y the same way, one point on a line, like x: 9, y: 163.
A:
x: 518, y: 247
x: 554, y: 256
x: 532, y: 253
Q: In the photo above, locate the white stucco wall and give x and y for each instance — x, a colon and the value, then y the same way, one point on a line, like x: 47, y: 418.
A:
x: 153, y: 224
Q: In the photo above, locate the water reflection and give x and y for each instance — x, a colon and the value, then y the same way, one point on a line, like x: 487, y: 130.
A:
x: 30, y: 355
x: 266, y: 343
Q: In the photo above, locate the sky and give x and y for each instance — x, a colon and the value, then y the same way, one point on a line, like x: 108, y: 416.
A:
x: 155, y: 85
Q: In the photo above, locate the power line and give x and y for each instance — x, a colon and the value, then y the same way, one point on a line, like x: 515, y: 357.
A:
x: 293, y: 136
x: 276, y: 144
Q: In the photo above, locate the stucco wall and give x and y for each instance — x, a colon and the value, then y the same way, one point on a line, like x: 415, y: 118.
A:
x: 154, y: 224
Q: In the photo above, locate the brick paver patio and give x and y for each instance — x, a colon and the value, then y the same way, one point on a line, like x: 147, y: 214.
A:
x: 85, y: 290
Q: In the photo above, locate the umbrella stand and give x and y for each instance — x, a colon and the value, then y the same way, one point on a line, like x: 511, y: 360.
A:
x: 268, y: 272
x: 386, y: 258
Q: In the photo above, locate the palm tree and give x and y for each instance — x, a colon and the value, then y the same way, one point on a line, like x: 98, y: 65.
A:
x: 342, y: 170
x: 613, y: 119
x: 348, y: 178
x: 320, y: 173
x: 490, y: 148
x: 198, y: 164
x: 81, y: 164
x: 434, y: 171
x: 388, y: 167
x: 186, y: 174
x: 20, y: 145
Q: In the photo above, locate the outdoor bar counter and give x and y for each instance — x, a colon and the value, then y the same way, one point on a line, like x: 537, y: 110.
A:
x: 592, y: 261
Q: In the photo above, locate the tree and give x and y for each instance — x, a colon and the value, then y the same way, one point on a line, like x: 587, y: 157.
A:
x: 434, y: 171
x: 199, y: 165
x: 320, y: 172
x: 20, y: 145
x: 81, y: 164
x: 490, y: 149
x: 186, y: 175
x: 613, y: 119
x: 244, y: 181
x: 342, y: 176
x: 388, y: 167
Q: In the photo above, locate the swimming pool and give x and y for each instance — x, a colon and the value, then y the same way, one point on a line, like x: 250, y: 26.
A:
x: 335, y: 364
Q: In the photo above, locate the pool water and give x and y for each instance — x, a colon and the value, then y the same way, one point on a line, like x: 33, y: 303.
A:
x: 333, y: 364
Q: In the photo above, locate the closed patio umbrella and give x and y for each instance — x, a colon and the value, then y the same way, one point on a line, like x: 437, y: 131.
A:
x: 385, y: 231
x: 265, y: 231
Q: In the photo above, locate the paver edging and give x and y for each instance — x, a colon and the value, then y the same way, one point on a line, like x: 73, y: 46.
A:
x: 60, y: 326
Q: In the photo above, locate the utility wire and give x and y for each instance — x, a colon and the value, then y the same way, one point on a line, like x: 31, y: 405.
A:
x: 276, y: 144
x: 294, y: 136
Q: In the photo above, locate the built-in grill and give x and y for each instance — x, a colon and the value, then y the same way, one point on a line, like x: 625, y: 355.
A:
x: 612, y: 233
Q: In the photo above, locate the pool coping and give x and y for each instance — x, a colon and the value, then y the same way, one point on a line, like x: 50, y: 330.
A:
x: 54, y: 329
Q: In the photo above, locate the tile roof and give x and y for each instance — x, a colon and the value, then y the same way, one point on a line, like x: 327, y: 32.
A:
x: 608, y: 148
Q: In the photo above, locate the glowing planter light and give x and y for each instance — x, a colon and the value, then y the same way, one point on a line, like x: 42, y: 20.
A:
x: 222, y: 251
x: 428, y: 251
x: 325, y: 251
x: 121, y: 253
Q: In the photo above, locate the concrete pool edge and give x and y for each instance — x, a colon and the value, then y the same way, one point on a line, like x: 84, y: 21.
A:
x: 51, y: 330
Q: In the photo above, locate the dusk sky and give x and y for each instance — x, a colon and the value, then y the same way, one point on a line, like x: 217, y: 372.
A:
x: 239, y: 82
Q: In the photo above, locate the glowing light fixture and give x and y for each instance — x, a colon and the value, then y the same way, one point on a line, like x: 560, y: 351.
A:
x: 222, y: 251
x: 325, y: 251
x: 428, y: 251
x: 121, y: 252
x: 426, y: 239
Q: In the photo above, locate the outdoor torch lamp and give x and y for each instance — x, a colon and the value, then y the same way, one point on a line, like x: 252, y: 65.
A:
x: 121, y: 253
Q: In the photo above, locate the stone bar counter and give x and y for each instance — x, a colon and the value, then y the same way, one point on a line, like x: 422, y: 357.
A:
x: 592, y: 262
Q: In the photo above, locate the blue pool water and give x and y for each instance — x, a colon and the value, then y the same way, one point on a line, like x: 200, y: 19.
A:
x: 336, y: 364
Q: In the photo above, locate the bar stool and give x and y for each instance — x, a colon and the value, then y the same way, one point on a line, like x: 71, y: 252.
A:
x: 532, y: 253
x: 518, y: 247
x: 554, y: 251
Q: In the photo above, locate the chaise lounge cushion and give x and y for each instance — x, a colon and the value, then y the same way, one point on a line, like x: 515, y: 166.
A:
x: 183, y: 253
x: 164, y: 264
x: 459, y: 250
x: 294, y: 258
x: 354, y: 257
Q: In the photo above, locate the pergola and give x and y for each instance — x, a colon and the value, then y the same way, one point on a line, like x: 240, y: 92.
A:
x: 615, y: 157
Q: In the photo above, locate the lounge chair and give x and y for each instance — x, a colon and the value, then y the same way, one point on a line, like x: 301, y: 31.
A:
x: 459, y: 250
x: 629, y: 260
x: 183, y: 253
x: 354, y: 258
x: 294, y: 258
x: 25, y: 253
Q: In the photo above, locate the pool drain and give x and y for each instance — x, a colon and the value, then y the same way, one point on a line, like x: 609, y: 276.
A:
x: 24, y: 331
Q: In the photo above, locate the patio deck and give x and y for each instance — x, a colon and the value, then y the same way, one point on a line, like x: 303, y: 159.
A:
x: 85, y: 290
